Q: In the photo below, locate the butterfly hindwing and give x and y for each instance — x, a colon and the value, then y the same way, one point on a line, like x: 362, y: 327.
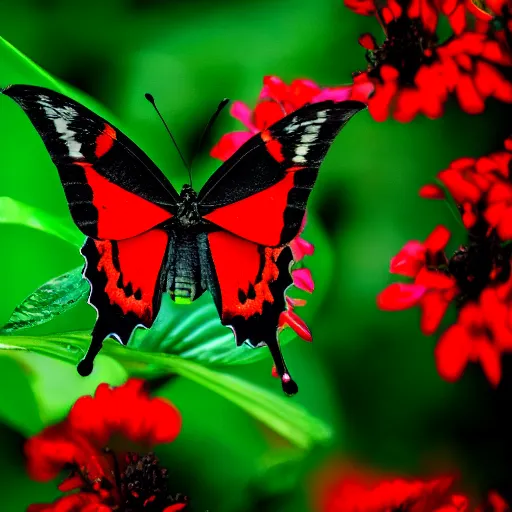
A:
x: 127, y: 278
x: 250, y: 295
x: 114, y: 191
x: 261, y: 192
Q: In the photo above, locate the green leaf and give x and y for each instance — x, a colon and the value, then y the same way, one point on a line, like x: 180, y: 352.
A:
x: 277, y: 412
x: 50, y: 300
x: 18, y: 410
x: 194, y: 332
x: 16, y: 212
x: 46, y: 388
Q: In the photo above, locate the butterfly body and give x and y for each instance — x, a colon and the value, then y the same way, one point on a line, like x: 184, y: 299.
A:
x: 144, y: 239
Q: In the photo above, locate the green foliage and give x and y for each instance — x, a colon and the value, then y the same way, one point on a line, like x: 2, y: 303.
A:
x: 40, y: 398
x: 17, y: 213
x: 194, y: 332
x: 277, y: 412
x: 52, y: 299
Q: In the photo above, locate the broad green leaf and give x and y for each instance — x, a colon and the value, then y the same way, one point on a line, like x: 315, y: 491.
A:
x: 52, y: 299
x: 277, y: 412
x: 16, y: 212
x: 194, y: 332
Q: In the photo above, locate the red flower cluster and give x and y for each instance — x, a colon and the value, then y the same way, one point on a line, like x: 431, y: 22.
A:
x: 477, y: 277
x: 357, y: 492
x: 413, y: 73
x: 493, y: 16
x: 482, y: 187
x: 104, y: 476
x: 276, y: 100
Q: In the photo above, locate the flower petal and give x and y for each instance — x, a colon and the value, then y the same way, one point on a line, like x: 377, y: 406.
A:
x: 228, y: 145
x: 438, y: 239
x: 274, y: 88
x: 490, y: 360
x: 303, y: 279
x: 399, y: 296
x: 335, y: 94
x: 431, y: 191
x: 409, y: 261
x: 433, y: 306
x: 301, y: 248
x: 175, y: 508
x: 291, y: 319
x: 452, y: 353
x: 243, y: 113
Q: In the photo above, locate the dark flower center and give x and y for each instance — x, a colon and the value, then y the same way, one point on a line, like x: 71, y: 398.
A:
x: 407, y: 46
x: 144, y: 485
x: 131, y: 484
x: 485, y: 260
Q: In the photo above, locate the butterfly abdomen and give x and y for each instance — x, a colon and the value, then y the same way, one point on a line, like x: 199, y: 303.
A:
x: 185, y: 282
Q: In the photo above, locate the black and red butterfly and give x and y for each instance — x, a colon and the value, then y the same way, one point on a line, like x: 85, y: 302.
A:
x: 144, y: 239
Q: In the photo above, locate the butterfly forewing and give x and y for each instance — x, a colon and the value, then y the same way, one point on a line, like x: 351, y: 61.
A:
x: 261, y: 192
x: 114, y: 191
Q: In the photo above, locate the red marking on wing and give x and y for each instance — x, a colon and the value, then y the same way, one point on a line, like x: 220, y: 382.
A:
x: 121, y: 214
x: 105, y: 140
x: 294, y: 169
x: 139, y: 260
x: 256, y: 269
x: 274, y: 147
x: 258, y: 218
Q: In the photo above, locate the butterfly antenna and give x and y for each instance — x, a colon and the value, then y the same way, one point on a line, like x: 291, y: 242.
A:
x: 151, y: 100
x: 208, y: 127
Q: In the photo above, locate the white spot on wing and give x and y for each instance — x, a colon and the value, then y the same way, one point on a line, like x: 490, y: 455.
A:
x: 291, y: 128
x: 308, y: 137
x: 61, y: 117
x: 299, y: 159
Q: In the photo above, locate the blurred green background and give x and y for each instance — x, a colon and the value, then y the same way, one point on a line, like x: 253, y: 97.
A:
x: 370, y: 374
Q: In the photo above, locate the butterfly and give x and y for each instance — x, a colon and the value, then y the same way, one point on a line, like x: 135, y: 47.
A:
x: 144, y: 239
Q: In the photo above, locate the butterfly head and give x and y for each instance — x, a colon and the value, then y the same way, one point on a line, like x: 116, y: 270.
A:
x: 188, y: 213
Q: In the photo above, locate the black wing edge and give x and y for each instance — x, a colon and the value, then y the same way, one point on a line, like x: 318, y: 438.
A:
x: 17, y: 92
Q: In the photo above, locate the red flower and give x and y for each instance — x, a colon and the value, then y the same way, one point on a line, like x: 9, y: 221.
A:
x: 106, y: 478
x: 413, y: 74
x: 481, y: 334
x: 427, y: 11
x: 482, y: 189
x: 276, y: 100
x: 433, y: 288
x: 477, y: 277
x: 355, y: 493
